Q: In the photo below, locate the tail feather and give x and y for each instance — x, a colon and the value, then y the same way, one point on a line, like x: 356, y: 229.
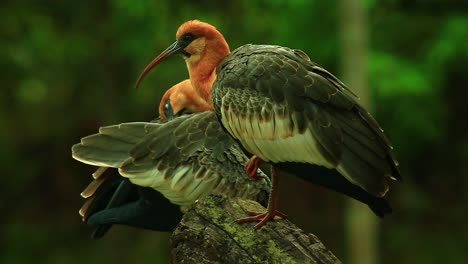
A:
x: 366, y: 157
x: 99, y: 180
x: 149, y: 210
x: 108, y: 191
x: 380, y: 207
x: 362, y: 168
x: 374, y: 126
x: 113, y: 199
x: 99, y: 192
x: 122, y: 194
x: 99, y: 172
x: 85, y: 208
x: 358, y: 131
x: 332, y: 180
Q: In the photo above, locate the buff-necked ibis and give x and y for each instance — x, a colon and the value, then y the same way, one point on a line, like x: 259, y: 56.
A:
x: 287, y: 110
x: 167, y: 164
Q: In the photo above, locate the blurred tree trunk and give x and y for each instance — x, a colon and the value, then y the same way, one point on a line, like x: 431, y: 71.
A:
x: 361, y: 224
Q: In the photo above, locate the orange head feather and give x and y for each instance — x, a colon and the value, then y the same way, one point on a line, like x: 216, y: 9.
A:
x: 203, y: 47
x: 206, y: 51
x: 198, y: 28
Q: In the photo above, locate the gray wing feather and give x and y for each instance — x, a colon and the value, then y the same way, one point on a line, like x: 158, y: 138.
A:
x: 184, y: 158
x: 348, y: 137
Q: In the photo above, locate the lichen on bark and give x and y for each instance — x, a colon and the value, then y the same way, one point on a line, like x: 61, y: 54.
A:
x: 208, y: 234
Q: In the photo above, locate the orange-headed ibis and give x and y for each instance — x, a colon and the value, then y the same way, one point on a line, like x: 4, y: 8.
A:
x: 166, y: 164
x: 289, y: 111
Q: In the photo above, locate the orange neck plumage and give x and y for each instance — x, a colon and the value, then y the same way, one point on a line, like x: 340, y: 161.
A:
x: 202, y: 67
x: 206, y: 52
x: 184, y: 96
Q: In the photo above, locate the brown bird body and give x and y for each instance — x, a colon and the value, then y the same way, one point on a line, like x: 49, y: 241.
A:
x: 284, y: 109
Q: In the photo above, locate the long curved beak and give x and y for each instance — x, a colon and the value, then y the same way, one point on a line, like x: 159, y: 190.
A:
x: 175, y: 48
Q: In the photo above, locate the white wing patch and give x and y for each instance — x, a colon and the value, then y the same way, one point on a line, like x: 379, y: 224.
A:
x: 273, y: 140
x: 181, y: 189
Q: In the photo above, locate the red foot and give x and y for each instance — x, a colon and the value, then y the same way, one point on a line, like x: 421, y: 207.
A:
x: 251, y: 167
x: 262, y: 218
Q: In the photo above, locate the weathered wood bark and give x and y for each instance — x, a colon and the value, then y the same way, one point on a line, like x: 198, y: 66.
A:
x: 208, y: 234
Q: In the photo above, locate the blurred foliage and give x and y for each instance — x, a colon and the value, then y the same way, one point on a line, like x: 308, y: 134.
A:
x: 69, y: 67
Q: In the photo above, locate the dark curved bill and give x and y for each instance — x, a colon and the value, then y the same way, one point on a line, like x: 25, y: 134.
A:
x: 175, y: 48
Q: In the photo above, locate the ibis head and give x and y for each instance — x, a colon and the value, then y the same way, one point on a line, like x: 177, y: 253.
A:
x: 203, y: 47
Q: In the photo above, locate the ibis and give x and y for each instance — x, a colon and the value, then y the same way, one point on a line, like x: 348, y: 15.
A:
x: 289, y: 111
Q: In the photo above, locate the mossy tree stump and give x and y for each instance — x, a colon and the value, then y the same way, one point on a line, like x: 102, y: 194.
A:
x: 208, y: 234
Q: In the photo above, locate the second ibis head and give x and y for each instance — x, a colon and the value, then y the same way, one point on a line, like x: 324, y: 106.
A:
x: 181, y: 98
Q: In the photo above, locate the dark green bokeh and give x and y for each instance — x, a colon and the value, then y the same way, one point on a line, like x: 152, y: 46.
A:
x: 69, y: 67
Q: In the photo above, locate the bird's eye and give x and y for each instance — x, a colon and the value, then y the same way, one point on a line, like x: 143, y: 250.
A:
x: 168, y: 112
x: 187, y: 37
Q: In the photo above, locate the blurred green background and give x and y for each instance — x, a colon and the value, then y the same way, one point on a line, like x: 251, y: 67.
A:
x: 68, y: 67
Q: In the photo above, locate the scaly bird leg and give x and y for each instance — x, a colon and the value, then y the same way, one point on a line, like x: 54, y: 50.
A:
x: 251, y: 167
x: 271, y: 211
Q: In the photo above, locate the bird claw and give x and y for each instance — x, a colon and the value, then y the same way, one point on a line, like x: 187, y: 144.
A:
x: 262, y: 218
x: 251, y: 167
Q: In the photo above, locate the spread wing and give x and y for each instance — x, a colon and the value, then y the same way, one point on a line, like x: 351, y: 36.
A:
x: 184, y: 159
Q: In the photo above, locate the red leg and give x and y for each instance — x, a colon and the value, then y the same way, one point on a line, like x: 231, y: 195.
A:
x: 271, y: 212
x: 251, y: 167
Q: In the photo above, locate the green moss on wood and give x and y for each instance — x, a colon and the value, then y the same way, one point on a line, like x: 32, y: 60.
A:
x: 208, y: 234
